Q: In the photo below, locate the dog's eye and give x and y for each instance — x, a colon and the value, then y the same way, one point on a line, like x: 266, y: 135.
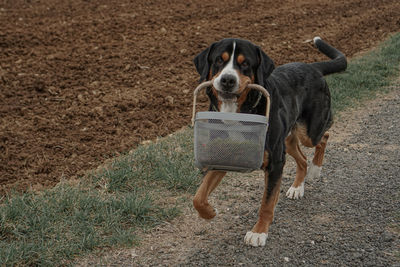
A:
x: 219, y: 61
x: 244, y: 65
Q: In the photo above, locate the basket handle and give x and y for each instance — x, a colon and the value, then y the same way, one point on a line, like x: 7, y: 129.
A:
x: 251, y: 86
x: 195, y: 93
x: 266, y: 94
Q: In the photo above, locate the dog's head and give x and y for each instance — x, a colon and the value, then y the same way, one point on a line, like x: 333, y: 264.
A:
x: 232, y: 64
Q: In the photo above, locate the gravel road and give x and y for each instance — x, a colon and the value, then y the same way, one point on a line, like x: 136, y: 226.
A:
x: 350, y: 216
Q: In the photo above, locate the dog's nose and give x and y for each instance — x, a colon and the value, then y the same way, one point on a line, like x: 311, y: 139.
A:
x: 228, y: 82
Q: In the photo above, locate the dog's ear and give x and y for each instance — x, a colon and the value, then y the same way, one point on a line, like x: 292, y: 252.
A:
x: 265, y: 66
x: 202, y: 63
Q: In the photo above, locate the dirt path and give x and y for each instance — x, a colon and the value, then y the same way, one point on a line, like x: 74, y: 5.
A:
x: 83, y: 80
x: 348, y: 217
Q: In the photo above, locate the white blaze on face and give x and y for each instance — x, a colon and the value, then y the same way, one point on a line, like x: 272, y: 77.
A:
x: 228, y: 70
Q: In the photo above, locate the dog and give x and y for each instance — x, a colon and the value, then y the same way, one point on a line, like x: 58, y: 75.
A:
x: 300, y: 112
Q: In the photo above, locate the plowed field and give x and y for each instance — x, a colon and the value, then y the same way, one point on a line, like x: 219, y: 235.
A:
x: 82, y: 80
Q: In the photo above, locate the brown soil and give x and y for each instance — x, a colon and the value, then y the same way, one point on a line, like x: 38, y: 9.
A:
x: 83, y: 80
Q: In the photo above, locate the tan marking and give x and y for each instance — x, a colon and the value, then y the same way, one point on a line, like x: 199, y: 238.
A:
x: 267, y: 209
x: 214, y: 91
x: 240, y: 59
x: 243, y: 82
x: 242, y: 98
x: 225, y: 56
x: 320, y: 151
x: 293, y: 149
x: 302, y: 135
x: 200, y: 200
x: 306, y: 141
x: 210, y: 74
x: 299, y: 133
x: 243, y: 89
x: 265, y: 160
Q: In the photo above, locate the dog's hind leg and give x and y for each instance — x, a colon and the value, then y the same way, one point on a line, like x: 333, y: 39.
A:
x: 200, y: 201
x: 314, y: 171
x: 293, y: 149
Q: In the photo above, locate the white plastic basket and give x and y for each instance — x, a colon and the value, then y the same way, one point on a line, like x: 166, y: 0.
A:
x: 229, y: 141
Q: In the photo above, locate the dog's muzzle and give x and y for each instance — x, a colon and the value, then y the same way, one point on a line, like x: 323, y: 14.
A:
x: 227, y: 86
x: 228, y: 82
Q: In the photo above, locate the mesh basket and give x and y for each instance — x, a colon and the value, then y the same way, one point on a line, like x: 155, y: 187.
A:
x: 229, y: 141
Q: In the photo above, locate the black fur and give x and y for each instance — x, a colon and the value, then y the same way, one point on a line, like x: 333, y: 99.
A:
x: 299, y: 94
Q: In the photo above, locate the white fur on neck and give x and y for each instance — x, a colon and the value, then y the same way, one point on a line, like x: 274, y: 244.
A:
x: 228, y: 106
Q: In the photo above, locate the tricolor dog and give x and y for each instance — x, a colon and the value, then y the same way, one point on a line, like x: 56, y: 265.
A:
x: 300, y: 113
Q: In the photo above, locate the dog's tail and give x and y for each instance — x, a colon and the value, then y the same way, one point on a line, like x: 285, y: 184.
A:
x: 338, y: 62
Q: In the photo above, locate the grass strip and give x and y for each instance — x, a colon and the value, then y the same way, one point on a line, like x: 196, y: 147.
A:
x: 168, y: 163
x: 59, y: 224
x: 54, y: 226
x: 366, y: 75
x: 105, y: 210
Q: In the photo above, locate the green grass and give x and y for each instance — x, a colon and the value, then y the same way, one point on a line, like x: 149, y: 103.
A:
x: 168, y: 163
x: 365, y: 76
x: 59, y: 224
x: 105, y: 210
x: 132, y: 192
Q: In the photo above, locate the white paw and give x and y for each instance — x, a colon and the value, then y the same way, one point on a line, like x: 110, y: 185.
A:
x: 255, y: 239
x: 316, y: 38
x: 296, y: 192
x: 314, y: 171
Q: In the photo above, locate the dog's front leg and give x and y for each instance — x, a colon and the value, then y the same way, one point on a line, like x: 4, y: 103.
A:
x: 258, y: 235
x: 200, y: 200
